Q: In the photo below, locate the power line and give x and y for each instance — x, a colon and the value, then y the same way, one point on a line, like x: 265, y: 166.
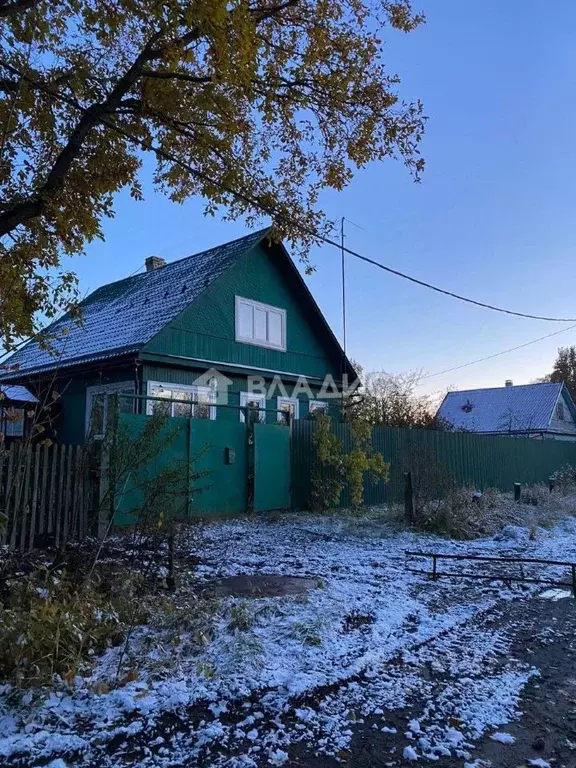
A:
x: 159, y: 152
x: 497, y: 354
x: 424, y: 284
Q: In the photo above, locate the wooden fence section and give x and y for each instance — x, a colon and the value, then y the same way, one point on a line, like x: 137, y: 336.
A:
x: 475, y: 461
x: 47, y: 494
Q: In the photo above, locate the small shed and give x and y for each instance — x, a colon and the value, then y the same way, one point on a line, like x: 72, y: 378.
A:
x: 15, y: 401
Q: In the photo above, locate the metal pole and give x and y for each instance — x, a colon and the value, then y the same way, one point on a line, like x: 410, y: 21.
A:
x: 517, y: 491
x: 343, y: 284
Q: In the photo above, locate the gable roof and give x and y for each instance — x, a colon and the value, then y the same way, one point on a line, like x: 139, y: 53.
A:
x: 524, y: 408
x: 121, y: 317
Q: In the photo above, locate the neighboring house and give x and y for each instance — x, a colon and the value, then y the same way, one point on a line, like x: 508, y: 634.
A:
x: 544, y: 411
x: 187, y: 330
x: 15, y: 405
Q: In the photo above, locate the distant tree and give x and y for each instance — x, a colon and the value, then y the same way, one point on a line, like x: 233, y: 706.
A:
x: 564, y: 369
x: 391, y: 400
x: 255, y: 105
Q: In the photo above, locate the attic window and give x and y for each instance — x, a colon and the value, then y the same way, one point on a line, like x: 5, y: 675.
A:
x: 260, y: 324
x: 560, y: 415
x: 468, y: 406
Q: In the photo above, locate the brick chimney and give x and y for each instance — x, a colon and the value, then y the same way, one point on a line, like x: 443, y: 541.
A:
x: 508, y: 383
x: 154, y: 262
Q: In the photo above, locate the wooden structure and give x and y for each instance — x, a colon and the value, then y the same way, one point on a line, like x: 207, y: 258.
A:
x: 48, y: 494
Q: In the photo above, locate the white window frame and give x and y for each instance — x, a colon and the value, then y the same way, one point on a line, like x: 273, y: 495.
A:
x: 103, y: 389
x: 265, y: 308
x: 291, y: 400
x: 321, y: 404
x: 192, y: 388
x: 245, y: 398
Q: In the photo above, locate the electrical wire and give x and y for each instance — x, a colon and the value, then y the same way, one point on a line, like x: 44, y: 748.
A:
x: 159, y: 152
x: 496, y: 354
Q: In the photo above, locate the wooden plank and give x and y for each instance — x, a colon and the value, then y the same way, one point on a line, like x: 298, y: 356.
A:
x: 75, y: 492
x: 84, y: 493
x: 103, y: 489
x: 25, y: 498
x: 9, y: 492
x: 68, y: 493
x: 3, y: 520
x: 42, y: 504
x: 17, y: 486
x: 32, y: 532
x: 59, y: 509
x: 52, y: 493
x: 5, y: 495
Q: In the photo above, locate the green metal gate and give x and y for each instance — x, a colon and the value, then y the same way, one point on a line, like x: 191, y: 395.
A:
x: 271, y: 467
x: 218, y: 448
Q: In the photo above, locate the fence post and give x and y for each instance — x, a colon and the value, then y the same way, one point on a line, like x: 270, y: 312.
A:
x: 408, y: 498
x: 551, y: 484
x: 517, y: 491
x: 104, y: 510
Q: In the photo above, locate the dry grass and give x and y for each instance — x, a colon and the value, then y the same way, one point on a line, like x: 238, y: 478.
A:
x: 465, y: 514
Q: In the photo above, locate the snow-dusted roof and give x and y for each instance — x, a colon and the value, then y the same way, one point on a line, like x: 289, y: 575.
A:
x: 121, y: 317
x: 528, y: 407
x: 17, y: 393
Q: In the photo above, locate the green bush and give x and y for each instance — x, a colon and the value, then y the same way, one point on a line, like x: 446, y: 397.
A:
x: 51, y: 627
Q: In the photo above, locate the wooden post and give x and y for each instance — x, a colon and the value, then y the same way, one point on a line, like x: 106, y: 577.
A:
x: 517, y: 491
x: 33, y: 508
x: 103, y: 488
x: 17, y: 480
x: 408, y: 498
x: 61, y: 497
x: 434, y: 573
x: 551, y: 484
x: 50, y: 512
x: 25, y: 498
x: 43, y: 508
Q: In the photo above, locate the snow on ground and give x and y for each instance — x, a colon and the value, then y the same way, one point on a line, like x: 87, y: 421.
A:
x: 275, y: 671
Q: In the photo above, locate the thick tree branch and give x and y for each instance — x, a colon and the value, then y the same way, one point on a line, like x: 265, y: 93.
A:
x: 8, y: 8
x: 21, y: 212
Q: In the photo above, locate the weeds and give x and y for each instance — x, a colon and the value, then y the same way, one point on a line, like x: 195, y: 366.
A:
x: 463, y: 513
x: 51, y: 628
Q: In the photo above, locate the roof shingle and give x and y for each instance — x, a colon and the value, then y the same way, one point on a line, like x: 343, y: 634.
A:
x: 122, y: 316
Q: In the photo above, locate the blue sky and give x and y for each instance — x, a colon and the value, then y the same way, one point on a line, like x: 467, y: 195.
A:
x: 494, y: 217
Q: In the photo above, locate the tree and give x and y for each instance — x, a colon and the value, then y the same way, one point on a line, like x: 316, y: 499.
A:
x: 256, y: 105
x: 390, y: 400
x: 564, y: 369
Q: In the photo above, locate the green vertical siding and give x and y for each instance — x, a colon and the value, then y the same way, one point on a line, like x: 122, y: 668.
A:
x: 206, y: 330
x: 476, y: 461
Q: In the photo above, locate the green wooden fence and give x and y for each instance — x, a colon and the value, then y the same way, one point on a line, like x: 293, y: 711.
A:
x: 475, y: 461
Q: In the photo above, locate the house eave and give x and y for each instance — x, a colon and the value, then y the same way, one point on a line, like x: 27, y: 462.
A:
x: 73, y: 366
x: 186, y: 362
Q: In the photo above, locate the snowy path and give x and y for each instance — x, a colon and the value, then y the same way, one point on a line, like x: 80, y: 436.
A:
x: 281, y: 672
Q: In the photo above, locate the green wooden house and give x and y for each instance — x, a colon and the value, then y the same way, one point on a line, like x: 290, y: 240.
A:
x: 200, y: 330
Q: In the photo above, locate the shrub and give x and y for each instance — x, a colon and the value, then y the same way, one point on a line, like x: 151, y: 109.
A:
x: 49, y: 626
x: 565, y: 479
